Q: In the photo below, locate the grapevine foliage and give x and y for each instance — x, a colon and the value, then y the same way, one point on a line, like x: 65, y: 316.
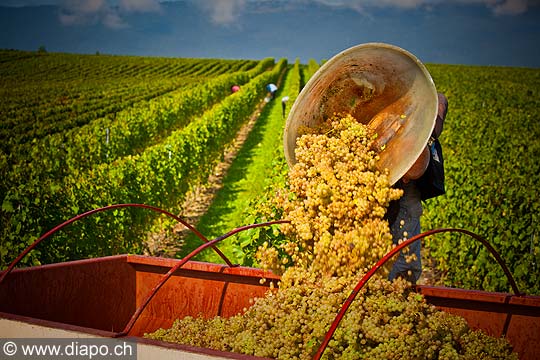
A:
x: 490, y: 143
x: 38, y: 194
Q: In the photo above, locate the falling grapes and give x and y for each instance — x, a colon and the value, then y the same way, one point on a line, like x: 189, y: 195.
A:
x: 336, y: 202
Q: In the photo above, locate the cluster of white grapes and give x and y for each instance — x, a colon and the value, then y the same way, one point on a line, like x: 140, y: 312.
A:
x: 387, y: 321
x: 336, y: 203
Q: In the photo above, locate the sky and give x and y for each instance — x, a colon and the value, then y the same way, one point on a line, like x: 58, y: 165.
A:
x: 469, y: 32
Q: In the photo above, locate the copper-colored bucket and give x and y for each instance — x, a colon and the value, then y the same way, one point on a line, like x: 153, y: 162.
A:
x: 382, y: 86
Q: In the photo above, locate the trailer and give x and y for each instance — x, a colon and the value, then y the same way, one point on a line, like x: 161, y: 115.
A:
x: 123, y: 297
x: 96, y: 298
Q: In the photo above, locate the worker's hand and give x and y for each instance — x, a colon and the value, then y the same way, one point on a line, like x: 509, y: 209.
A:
x: 419, y: 167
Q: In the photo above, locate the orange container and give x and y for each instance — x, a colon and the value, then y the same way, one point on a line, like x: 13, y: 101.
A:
x: 97, y: 297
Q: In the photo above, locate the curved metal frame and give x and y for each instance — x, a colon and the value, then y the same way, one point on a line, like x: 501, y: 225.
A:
x: 171, y: 271
x: 387, y: 257
x: 166, y: 276
x: 105, y: 208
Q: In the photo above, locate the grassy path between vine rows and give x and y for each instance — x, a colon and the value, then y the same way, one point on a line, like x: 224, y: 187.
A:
x: 245, y: 178
x: 199, y: 207
x: 171, y: 244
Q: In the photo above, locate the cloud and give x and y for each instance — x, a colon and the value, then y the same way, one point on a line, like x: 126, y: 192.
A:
x: 78, y: 12
x: 510, y: 7
x: 111, y: 13
x: 227, y: 12
x: 23, y: 3
x: 113, y: 20
x: 362, y: 5
x: 499, y: 7
x: 140, y: 5
x: 223, y: 12
x: 107, y: 12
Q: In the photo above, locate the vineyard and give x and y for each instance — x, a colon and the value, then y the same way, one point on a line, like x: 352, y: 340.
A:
x: 83, y: 131
x: 155, y: 134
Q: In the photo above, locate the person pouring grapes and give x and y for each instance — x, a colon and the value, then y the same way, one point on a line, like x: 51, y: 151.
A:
x: 403, y: 215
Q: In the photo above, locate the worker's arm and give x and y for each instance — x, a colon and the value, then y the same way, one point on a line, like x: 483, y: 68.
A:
x: 441, y: 115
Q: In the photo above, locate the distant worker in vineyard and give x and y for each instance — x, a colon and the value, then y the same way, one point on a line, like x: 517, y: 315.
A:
x: 272, y: 89
x: 284, y: 105
x: 404, y: 214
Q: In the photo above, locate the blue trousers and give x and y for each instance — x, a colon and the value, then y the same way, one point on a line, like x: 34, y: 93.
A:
x: 410, y: 225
